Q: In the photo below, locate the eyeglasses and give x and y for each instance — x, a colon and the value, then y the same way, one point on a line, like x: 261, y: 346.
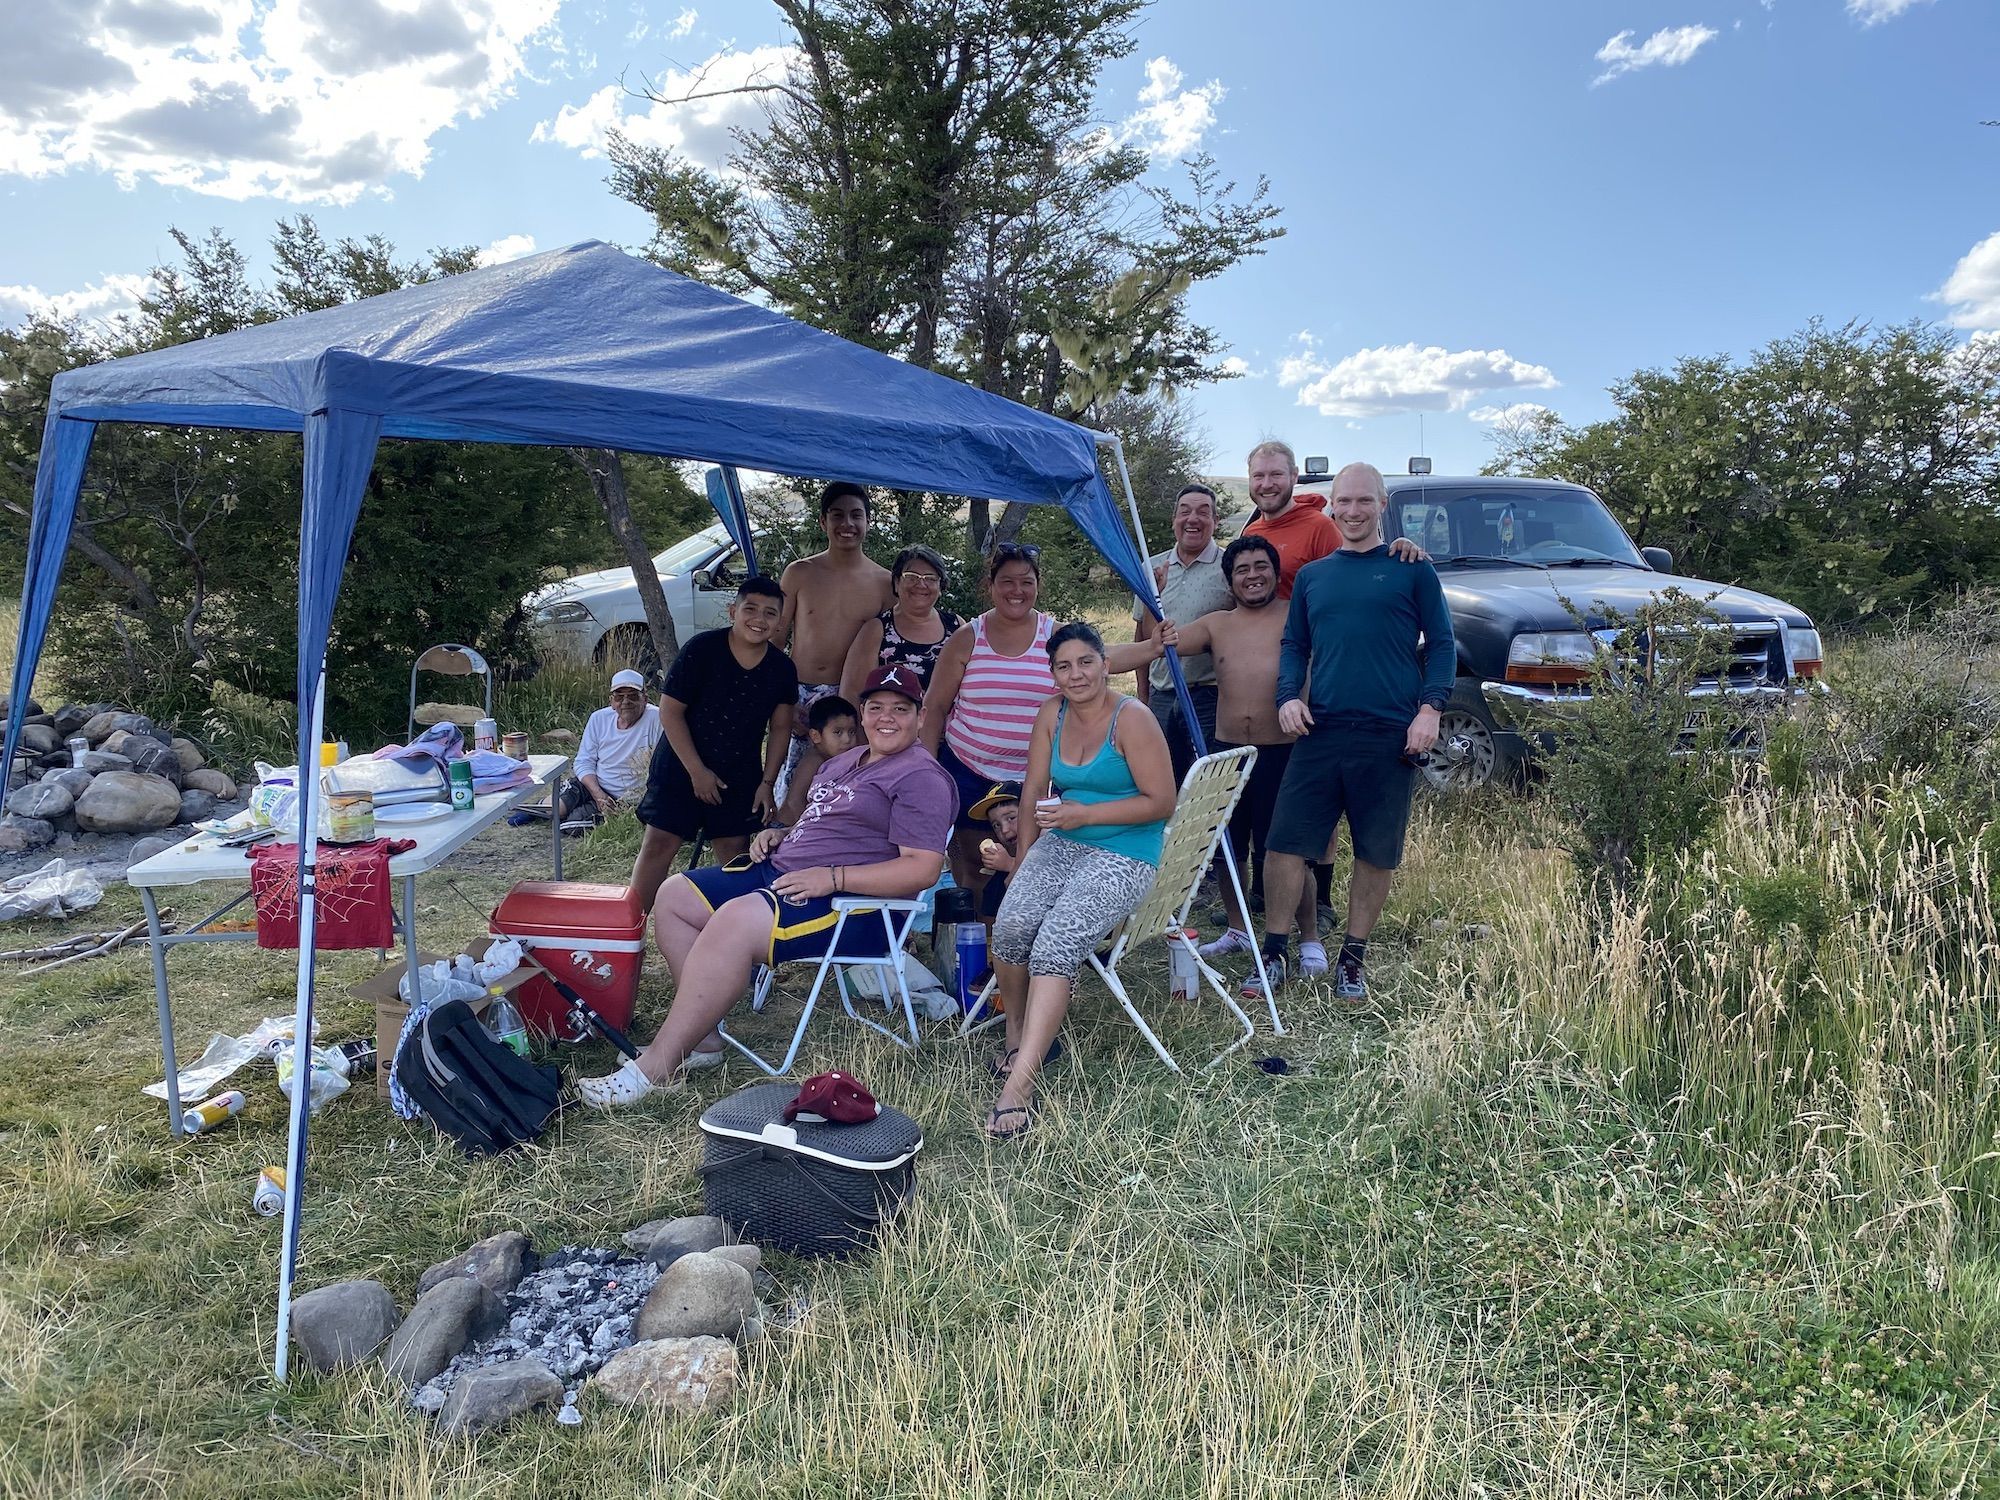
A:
x: 1023, y: 551
x: 924, y: 580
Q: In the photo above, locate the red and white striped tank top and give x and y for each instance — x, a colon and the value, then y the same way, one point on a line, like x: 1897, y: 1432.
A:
x: 998, y: 698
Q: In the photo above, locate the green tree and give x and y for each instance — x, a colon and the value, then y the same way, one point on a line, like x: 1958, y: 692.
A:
x: 931, y: 183
x: 1853, y: 471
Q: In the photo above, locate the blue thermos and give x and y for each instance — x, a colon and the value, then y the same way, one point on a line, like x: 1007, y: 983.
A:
x: 971, y: 963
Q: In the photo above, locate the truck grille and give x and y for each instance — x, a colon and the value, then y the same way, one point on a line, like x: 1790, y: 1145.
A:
x: 1756, y: 656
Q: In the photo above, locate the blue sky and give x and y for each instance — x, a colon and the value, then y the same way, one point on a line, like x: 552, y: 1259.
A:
x: 1489, y: 202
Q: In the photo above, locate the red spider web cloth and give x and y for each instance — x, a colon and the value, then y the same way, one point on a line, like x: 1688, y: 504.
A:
x: 352, y: 907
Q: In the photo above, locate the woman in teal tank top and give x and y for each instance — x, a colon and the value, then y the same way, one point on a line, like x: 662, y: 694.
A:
x: 1087, y: 858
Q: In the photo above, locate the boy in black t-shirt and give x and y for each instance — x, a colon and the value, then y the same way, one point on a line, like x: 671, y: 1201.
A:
x: 726, y: 713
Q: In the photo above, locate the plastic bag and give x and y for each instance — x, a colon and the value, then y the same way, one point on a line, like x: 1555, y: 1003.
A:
x: 276, y: 799
x: 328, y: 1073
x: 224, y: 1056
x: 440, y: 982
x: 927, y: 992
x: 52, y: 891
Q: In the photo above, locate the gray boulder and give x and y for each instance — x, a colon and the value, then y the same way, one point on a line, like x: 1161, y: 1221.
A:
x: 188, y: 753
x: 45, y: 799
x: 340, y: 1325
x: 496, y: 1263
x: 71, y: 781
x: 663, y: 1241
x: 100, y: 726
x: 749, y: 1257
x: 145, y: 849
x: 493, y: 1394
x: 671, y: 1374
x: 55, y: 760
x: 195, y: 805
x: 39, y: 739
x: 70, y: 720
x: 698, y: 1294
x: 33, y: 711
x: 212, y: 782
x: 18, y: 835
x: 98, y: 761
x: 445, y: 1318
x: 139, y: 724
x: 151, y: 758
x: 126, y: 802
x: 118, y: 742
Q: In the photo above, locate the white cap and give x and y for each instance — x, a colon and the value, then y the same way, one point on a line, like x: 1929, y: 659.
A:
x: 628, y: 678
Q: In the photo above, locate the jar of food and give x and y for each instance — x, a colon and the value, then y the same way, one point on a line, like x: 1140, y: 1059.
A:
x: 350, y: 817
x: 514, y: 744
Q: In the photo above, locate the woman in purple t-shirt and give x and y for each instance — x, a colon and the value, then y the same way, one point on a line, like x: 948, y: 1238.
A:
x: 875, y: 824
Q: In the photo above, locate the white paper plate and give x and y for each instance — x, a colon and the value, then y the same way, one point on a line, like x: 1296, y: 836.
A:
x: 404, y: 813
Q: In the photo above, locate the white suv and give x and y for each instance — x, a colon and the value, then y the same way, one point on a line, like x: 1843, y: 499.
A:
x: 596, y: 615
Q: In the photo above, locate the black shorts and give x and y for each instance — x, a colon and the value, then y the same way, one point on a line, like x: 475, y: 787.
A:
x: 1251, y: 822
x: 671, y: 806
x: 1334, y: 774
x: 970, y: 785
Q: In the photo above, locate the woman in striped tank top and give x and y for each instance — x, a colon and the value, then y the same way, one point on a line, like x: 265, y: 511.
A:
x: 991, y: 679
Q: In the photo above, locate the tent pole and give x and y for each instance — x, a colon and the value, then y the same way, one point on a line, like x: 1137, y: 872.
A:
x: 302, y: 1021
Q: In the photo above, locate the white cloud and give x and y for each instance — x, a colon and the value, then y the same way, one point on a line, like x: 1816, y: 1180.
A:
x: 703, y: 129
x: 1170, y: 121
x: 1668, y: 47
x: 1303, y: 363
x: 507, y: 247
x: 1237, y: 365
x: 1875, y: 12
x: 302, y: 100
x: 1972, y: 291
x: 1507, y: 416
x: 681, y: 25
x: 100, y: 302
x: 1404, y: 377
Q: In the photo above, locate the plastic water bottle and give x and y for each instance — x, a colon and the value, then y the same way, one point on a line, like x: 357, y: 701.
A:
x: 971, y: 951
x: 1186, y: 981
x: 504, y: 1021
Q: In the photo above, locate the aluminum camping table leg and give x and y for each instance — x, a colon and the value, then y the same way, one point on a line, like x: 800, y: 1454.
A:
x: 410, y: 933
x: 555, y: 823
x: 156, y: 940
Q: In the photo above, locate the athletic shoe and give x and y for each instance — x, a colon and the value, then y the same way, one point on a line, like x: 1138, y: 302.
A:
x: 578, y: 825
x: 1351, y: 984
x: 1312, y: 960
x: 1233, y: 940
x: 1253, y: 987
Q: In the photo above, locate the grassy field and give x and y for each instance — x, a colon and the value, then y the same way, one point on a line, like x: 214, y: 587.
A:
x: 1689, y: 1193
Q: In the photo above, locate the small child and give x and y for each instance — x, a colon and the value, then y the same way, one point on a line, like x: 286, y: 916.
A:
x: 1001, y: 807
x: 832, y: 726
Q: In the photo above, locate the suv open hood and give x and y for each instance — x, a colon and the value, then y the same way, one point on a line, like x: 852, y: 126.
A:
x: 1532, y: 599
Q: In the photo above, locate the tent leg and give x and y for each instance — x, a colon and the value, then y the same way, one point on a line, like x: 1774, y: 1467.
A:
x: 302, y: 1024
x: 165, y: 1005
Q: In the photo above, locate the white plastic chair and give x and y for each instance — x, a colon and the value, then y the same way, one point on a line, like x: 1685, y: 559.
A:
x: 898, y: 918
x: 1208, y: 796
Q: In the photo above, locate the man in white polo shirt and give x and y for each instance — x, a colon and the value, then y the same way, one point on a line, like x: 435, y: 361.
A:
x: 612, y: 760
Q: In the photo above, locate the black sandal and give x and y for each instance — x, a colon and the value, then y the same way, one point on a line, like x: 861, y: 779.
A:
x: 1002, y: 1067
x: 995, y: 1115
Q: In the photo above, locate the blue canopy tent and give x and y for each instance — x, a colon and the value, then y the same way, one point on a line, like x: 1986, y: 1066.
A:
x: 586, y: 347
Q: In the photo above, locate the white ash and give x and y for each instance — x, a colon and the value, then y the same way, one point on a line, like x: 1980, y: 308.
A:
x: 572, y: 1314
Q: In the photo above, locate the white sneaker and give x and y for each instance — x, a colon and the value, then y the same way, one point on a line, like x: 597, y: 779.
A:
x: 1232, y: 940
x: 1312, y: 960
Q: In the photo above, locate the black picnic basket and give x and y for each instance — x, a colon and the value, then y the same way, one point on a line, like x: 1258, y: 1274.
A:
x: 808, y: 1189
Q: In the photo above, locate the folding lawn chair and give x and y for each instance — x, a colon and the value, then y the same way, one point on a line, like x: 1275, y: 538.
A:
x: 1208, y: 796
x: 448, y: 660
x: 898, y: 918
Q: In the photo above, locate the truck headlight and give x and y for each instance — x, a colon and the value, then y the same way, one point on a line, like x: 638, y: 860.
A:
x: 1552, y: 658
x: 1805, y: 652
x: 561, y: 614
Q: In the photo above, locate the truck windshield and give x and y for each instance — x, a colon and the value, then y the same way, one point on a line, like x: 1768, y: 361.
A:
x: 690, y: 552
x: 1537, y: 527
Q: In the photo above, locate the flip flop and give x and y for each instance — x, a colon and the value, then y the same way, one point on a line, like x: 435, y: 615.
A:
x: 994, y: 1116
x: 1003, y: 1065
x: 616, y: 1090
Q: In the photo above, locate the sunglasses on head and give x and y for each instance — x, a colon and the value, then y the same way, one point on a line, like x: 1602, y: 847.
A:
x: 1017, y: 551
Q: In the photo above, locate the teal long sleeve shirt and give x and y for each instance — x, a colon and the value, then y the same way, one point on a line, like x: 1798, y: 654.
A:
x: 1351, y: 647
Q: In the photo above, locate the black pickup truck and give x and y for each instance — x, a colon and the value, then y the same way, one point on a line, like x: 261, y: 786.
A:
x: 1509, y: 552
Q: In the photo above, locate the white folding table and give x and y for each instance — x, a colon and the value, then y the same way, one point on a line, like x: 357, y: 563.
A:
x: 200, y: 859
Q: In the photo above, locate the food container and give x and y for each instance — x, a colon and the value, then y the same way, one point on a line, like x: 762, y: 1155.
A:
x: 78, y: 748
x: 350, y: 817
x: 514, y: 745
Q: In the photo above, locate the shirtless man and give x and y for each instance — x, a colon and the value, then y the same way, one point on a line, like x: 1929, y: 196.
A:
x: 1243, y: 643
x: 828, y: 598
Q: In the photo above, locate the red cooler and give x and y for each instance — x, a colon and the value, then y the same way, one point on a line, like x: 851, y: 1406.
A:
x: 592, y: 937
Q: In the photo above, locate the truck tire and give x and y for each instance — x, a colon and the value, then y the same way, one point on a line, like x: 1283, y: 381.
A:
x: 1489, y: 758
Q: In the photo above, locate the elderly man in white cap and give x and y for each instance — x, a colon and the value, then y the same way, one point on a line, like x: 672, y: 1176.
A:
x: 612, y: 760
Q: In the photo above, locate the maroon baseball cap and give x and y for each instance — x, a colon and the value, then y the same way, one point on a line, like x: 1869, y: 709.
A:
x: 895, y: 679
x: 832, y: 1096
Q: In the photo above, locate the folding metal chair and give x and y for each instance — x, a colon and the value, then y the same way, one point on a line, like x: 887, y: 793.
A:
x: 1208, y: 797
x: 898, y: 918
x: 448, y: 660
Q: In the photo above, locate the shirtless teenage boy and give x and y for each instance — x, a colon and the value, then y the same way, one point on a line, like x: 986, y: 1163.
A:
x: 828, y: 598
x: 1244, y: 642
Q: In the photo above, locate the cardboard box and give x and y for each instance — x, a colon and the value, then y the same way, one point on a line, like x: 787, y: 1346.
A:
x: 391, y: 1011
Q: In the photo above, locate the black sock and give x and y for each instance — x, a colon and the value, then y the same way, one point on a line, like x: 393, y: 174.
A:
x: 1276, y: 945
x: 1353, y: 947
